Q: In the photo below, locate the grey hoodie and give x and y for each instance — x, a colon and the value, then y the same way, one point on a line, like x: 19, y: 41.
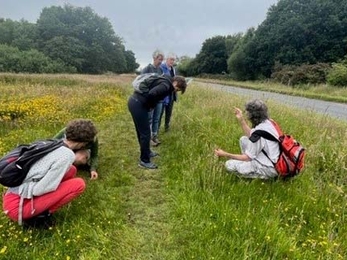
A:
x: 44, y: 176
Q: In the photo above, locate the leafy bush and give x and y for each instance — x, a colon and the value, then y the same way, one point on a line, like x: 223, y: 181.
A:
x: 337, y: 76
x: 303, y: 74
x: 32, y: 61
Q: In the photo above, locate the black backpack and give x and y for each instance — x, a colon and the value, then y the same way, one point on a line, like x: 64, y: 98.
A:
x: 15, y: 165
x: 144, y: 82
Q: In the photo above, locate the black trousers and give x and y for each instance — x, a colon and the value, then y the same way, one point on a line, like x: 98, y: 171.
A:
x: 139, y: 114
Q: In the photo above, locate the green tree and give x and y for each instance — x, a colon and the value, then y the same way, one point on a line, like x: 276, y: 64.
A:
x: 241, y: 63
x: 213, y: 56
x: 18, y: 34
x: 297, y: 32
x: 231, y: 42
x: 132, y: 65
x: 31, y: 61
x: 92, y: 45
x: 69, y: 50
x: 183, y: 66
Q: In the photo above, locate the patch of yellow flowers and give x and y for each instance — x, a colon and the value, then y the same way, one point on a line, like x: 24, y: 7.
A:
x: 46, y: 108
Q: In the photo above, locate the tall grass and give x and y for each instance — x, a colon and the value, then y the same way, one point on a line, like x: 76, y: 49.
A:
x: 190, y: 208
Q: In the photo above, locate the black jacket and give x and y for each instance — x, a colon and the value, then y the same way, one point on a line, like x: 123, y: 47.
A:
x: 158, y: 90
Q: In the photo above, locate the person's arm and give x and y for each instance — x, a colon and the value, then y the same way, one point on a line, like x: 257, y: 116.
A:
x: 164, y: 69
x: 94, y: 159
x: 60, y: 134
x: 240, y: 157
x: 245, y: 128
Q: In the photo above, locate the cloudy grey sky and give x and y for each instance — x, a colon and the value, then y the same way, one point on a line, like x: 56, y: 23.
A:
x: 179, y: 26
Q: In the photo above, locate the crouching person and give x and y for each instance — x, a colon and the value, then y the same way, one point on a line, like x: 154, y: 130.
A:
x: 253, y: 162
x: 91, y: 164
x: 50, y: 182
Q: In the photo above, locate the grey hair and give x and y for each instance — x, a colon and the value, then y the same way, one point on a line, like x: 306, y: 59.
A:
x: 157, y: 53
x: 171, y: 55
x: 256, y: 111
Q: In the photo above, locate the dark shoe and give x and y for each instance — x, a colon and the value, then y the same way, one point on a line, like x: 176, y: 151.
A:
x: 148, y: 165
x: 42, y: 221
x: 153, y: 154
x: 156, y: 140
x: 167, y: 128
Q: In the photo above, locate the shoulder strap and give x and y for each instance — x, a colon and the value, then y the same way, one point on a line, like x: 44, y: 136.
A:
x: 277, y: 127
x: 261, y: 133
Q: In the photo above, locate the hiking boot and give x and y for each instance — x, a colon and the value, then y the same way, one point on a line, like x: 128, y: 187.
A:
x: 148, y: 165
x: 156, y: 140
x: 42, y: 221
x: 153, y: 154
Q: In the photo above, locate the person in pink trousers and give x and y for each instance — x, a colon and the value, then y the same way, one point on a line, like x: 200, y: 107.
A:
x: 51, y: 181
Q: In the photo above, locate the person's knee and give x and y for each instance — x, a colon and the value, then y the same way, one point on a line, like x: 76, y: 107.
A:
x: 79, y: 185
x: 230, y: 165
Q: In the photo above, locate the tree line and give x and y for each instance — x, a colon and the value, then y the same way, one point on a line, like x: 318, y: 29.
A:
x: 64, y: 39
x: 301, y: 41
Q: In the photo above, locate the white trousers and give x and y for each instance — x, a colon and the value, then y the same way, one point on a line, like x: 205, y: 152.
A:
x: 250, y: 169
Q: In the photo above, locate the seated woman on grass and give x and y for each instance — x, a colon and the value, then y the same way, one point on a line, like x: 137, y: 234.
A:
x: 253, y: 162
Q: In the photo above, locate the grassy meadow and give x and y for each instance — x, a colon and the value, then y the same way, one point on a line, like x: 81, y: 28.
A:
x: 190, y: 208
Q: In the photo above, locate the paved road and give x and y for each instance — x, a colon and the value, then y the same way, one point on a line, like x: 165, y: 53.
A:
x: 336, y: 110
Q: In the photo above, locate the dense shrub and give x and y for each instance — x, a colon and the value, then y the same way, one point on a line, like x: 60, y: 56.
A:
x: 337, y: 76
x: 32, y: 61
x: 304, y: 74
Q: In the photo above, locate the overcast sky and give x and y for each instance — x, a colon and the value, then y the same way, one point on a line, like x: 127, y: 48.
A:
x: 178, y: 26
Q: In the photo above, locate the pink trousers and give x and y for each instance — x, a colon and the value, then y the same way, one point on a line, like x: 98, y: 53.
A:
x: 69, y: 188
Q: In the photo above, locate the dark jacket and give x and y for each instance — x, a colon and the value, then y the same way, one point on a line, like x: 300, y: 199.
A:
x: 151, y: 69
x: 158, y: 89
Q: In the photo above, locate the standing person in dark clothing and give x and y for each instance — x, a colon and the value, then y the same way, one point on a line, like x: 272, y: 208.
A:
x: 154, y: 67
x: 154, y: 115
x: 168, y: 103
x: 140, y: 103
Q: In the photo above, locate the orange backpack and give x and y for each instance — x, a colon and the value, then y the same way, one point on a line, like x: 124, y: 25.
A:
x: 291, y: 159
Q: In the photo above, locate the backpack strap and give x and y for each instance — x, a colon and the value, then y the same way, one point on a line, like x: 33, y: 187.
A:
x: 255, y: 136
x: 277, y: 127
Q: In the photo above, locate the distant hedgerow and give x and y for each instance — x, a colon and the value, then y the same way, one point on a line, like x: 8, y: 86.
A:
x: 303, y: 74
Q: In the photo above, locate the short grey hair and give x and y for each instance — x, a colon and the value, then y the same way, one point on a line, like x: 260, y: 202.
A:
x: 256, y: 111
x: 171, y: 55
x: 157, y: 53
